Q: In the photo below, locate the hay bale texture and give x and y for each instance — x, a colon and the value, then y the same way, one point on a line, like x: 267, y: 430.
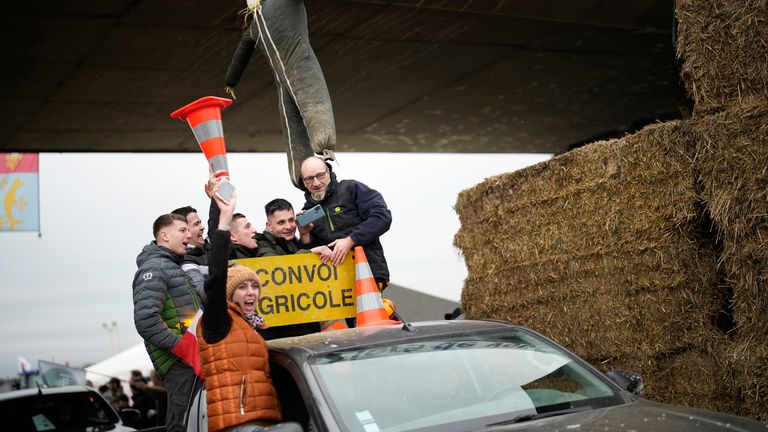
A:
x: 697, y: 377
x: 724, y: 47
x: 597, y: 248
x: 732, y: 163
x: 731, y: 159
x: 749, y: 362
x: 626, y: 251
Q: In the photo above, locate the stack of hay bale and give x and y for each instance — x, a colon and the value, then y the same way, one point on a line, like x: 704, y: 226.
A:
x: 650, y: 252
x: 732, y: 164
x: 724, y: 44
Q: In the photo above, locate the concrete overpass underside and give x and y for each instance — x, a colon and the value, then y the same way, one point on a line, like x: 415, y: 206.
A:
x: 404, y: 76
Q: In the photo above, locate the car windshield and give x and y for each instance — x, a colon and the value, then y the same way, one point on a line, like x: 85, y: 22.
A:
x: 80, y: 411
x: 466, y: 381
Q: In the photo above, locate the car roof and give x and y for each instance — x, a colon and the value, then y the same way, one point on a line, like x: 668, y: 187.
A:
x: 319, y: 343
x: 18, y: 394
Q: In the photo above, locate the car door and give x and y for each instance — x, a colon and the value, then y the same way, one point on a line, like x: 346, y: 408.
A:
x: 300, y: 397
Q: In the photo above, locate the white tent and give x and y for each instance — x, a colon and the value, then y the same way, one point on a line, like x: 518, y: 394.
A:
x: 120, y: 366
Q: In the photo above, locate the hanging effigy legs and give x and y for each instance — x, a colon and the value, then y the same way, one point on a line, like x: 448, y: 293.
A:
x: 279, y: 28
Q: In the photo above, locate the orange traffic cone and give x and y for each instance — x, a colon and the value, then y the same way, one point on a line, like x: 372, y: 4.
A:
x: 204, y: 117
x: 338, y: 324
x: 370, y: 308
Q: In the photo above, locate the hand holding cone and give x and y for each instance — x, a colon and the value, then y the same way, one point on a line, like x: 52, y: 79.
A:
x: 204, y: 117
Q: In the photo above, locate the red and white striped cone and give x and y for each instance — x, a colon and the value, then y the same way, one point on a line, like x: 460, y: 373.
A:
x: 332, y: 325
x: 204, y: 117
x: 370, y: 308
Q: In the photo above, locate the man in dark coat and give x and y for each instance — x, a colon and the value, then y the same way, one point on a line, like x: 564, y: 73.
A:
x: 143, y: 402
x: 354, y: 215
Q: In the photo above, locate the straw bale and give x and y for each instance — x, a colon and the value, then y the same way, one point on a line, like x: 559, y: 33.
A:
x: 622, y: 304
x: 724, y: 47
x: 626, y: 251
x: 697, y: 377
x: 732, y: 162
x: 597, y: 248
x: 749, y: 361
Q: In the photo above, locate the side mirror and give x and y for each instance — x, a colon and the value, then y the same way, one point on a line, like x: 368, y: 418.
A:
x: 284, y: 427
x: 628, y: 381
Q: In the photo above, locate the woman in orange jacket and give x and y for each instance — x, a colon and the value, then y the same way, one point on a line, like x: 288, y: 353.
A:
x: 240, y: 394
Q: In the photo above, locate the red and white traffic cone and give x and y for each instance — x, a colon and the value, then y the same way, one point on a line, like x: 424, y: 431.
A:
x: 370, y: 308
x: 204, y: 117
x: 332, y: 325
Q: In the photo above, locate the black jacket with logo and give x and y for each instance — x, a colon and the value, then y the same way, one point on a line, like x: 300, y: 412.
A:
x: 274, y: 245
x: 353, y: 209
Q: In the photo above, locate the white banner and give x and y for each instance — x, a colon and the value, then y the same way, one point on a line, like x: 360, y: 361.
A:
x: 59, y: 375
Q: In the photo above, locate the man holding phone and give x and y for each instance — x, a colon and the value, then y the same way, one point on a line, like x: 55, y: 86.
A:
x: 353, y: 214
x: 279, y: 236
x: 278, y: 239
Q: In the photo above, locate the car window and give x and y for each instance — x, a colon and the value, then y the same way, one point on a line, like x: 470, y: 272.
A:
x: 84, y: 411
x: 453, y: 379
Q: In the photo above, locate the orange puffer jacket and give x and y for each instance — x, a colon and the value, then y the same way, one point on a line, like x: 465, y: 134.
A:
x: 237, y: 379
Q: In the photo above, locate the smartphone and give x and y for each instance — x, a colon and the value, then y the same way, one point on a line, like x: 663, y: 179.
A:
x: 226, y: 189
x: 310, y: 216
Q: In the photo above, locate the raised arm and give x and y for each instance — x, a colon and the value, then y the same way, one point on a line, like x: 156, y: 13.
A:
x: 216, y: 321
x: 213, y: 211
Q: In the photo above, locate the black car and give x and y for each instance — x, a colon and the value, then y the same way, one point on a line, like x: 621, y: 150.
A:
x: 71, y: 408
x: 463, y: 376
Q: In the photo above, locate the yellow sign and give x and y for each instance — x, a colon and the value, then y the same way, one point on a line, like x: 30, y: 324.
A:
x: 299, y: 288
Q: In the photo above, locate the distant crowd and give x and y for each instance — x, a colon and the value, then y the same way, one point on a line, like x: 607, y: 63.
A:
x: 148, y: 398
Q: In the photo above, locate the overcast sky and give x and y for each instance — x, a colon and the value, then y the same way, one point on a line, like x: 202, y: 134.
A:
x: 97, y: 210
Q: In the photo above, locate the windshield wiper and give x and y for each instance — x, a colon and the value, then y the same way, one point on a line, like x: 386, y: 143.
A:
x: 528, y: 417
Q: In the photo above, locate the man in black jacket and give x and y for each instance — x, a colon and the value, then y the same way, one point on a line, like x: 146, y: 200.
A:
x: 354, y: 215
x: 143, y: 402
x: 243, y: 236
x: 279, y: 238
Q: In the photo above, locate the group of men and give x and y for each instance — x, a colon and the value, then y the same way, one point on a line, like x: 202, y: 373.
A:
x: 168, y: 284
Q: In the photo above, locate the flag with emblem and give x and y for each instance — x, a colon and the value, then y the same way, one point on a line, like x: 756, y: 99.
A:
x: 25, y: 367
x: 187, y: 350
x: 19, y: 192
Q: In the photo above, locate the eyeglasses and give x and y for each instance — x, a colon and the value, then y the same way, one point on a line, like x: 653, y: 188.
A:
x: 319, y: 176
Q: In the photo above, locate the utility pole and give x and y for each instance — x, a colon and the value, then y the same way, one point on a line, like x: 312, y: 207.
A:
x: 111, y: 328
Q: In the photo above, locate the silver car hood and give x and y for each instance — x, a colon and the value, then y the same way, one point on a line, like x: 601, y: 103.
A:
x: 640, y: 416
